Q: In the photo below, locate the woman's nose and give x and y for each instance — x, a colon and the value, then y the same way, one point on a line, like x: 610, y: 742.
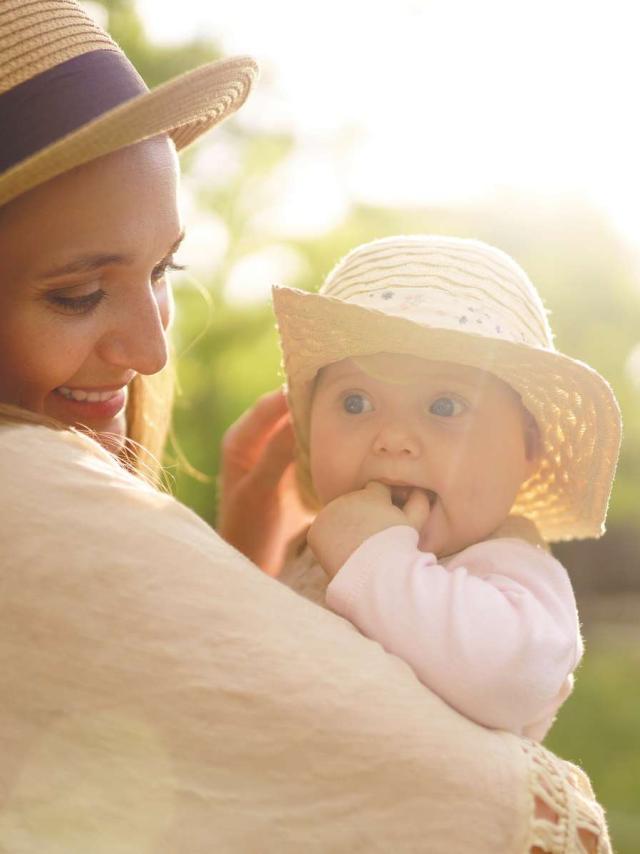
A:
x: 397, y: 439
x: 136, y: 339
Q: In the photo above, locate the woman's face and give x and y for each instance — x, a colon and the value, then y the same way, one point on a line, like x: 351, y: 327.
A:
x: 84, y: 297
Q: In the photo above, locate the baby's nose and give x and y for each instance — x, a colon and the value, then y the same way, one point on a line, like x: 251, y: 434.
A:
x: 397, y: 440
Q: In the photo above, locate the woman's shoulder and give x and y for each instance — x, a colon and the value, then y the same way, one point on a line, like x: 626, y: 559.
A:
x: 67, y: 505
x: 47, y: 466
x: 24, y: 444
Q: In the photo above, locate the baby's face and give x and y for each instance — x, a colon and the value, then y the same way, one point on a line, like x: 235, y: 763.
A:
x: 458, y: 433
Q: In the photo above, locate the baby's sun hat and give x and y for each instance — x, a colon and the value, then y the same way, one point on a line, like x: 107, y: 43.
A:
x: 68, y: 94
x: 458, y: 300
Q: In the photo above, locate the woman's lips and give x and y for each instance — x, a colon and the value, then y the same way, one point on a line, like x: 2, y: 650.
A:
x: 97, y: 405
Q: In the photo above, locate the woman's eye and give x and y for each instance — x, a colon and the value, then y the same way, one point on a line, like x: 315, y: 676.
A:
x: 446, y: 407
x: 77, y: 305
x: 162, y: 269
x: 356, y: 403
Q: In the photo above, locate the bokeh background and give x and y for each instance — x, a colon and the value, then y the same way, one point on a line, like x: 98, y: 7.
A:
x: 512, y: 122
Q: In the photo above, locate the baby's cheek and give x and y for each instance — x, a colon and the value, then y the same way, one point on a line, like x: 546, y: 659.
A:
x: 476, y: 514
x: 326, y: 479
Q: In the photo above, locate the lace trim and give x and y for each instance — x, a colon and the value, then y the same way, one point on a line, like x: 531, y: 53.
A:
x: 566, y: 790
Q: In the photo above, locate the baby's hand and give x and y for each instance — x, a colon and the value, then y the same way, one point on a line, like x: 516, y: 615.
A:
x: 346, y: 522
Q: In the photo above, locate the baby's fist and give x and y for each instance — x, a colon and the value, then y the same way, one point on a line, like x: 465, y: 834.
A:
x: 347, y: 521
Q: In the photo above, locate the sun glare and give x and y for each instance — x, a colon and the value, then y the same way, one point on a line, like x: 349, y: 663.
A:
x: 446, y: 101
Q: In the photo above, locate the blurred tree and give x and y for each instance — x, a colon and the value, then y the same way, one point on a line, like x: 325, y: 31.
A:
x: 212, y: 339
x: 156, y: 63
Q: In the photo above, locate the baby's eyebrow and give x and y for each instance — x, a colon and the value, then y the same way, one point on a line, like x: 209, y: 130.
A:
x: 454, y: 379
x: 439, y: 380
x: 96, y: 260
x: 347, y: 376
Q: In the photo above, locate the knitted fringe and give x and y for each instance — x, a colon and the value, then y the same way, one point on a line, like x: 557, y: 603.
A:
x: 566, y: 790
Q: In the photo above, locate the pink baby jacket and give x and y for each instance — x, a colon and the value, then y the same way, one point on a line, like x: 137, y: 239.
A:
x: 493, y: 630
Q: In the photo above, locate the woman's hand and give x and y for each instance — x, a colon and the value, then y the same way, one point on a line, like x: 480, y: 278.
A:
x: 259, y: 505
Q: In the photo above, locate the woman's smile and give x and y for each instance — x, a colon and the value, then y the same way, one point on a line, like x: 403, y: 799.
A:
x: 87, y: 405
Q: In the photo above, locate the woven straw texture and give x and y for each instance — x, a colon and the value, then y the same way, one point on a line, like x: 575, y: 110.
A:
x: 36, y: 35
x: 462, y: 301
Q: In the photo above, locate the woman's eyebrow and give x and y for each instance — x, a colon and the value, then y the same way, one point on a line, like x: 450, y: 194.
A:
x: 96, y: 260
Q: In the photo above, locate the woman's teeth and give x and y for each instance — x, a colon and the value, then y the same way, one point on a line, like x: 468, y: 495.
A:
x: 88, y: 396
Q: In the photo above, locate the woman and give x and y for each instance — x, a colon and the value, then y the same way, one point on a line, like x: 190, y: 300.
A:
x: 159, y: 693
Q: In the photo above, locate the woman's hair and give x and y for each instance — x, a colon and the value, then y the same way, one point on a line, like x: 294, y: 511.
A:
x: 148, y: 417
x: 148, y: 420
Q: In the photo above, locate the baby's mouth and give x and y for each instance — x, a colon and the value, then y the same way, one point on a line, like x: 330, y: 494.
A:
x: 400, y: 495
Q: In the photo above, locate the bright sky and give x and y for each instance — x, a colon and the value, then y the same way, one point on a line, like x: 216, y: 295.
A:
x: 435, y: 101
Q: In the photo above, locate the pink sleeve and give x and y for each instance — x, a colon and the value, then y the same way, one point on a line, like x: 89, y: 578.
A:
x: 495, y: 632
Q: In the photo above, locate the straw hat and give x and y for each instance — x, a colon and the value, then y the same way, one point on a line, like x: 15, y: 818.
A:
x: 68, y: 94
x: 463, y: 301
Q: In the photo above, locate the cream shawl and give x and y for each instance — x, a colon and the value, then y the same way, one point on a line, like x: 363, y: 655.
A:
x: 159, y: 694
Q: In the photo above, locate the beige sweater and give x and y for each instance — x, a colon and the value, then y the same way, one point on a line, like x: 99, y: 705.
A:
x: 161, y: 695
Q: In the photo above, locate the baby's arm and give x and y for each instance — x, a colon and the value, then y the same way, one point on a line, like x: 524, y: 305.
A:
x: 495, y: 633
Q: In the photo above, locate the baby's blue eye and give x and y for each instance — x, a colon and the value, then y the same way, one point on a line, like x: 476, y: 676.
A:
x: 446, y: 407
x: 356, y: 403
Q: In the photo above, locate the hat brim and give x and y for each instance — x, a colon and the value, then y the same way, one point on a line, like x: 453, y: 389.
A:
x: 183, y: 108
x: 576, y: 410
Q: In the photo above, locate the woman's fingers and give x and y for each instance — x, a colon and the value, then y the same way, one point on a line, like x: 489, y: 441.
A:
x: 254, y: 492
x: 275, y: 457
x: 244, y: 440
x: 257, y: 454
x: 254, y: 515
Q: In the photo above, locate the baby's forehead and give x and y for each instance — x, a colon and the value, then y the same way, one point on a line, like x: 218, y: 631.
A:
x: 402, y: 369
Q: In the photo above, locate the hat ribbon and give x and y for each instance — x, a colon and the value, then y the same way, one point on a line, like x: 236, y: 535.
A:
x: 61, y: 99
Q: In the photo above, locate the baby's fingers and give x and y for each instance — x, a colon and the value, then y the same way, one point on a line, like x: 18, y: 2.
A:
x: 379, y: 490
x: 417, y: 509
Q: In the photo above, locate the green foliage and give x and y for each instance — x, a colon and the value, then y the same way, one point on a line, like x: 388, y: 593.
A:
x: 221, y: 373
x: 156, y: 63
x: 597, y: 729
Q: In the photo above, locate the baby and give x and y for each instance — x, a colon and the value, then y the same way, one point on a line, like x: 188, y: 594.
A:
x: 444, y: 441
